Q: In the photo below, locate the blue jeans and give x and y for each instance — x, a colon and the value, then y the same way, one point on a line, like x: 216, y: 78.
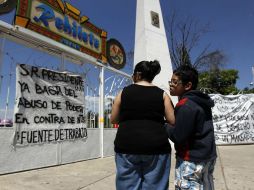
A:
x: 194, y: 176
x: 142, y: 172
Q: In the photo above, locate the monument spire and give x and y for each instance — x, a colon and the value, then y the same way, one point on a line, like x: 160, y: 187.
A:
x: 151, y: 40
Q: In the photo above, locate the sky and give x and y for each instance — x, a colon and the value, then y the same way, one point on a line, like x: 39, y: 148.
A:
x: 232, y: 30
x: 231, y: 26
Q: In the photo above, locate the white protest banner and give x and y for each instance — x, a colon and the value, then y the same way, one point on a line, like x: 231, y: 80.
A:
x: 233, y: 119
x: 49, y: 106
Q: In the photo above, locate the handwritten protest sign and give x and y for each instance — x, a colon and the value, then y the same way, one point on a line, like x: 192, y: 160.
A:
x: 49, y: 106
x: 233, y: 118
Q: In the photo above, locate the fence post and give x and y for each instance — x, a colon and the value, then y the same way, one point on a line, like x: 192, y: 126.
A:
x: 62, y: 67
x: 2, y: 42
x: 59, y: 145
x: 101, y: 110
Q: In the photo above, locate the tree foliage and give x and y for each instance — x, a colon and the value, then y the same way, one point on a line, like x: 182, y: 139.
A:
x: 247, y: 90
x: 219, y: 81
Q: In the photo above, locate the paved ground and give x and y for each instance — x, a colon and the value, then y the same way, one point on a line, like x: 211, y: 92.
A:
x: 234, y: 171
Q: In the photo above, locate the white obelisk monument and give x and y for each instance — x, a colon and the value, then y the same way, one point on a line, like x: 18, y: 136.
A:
x: 151, y: 40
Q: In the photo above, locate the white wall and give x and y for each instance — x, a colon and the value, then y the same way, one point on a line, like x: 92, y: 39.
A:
x: 19, y: 158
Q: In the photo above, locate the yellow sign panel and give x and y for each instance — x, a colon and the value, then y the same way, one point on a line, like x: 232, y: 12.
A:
x: 63, y: 23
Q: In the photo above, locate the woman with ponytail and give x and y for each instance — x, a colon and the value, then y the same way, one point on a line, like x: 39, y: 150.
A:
x: 143, y: 152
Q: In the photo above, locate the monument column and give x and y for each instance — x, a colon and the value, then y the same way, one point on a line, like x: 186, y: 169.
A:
x: 151, y: 40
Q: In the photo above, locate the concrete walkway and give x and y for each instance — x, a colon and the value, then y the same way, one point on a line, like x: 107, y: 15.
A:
x: 234, y: 171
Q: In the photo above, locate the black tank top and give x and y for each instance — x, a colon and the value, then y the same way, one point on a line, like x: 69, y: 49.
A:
x: 141, y: 127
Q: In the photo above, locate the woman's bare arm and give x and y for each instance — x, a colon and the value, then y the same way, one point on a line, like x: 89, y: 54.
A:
x: 114, y: 119
x: 169, y: 109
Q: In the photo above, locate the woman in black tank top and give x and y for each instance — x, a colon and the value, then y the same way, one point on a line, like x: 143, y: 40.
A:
x: 141, y: 144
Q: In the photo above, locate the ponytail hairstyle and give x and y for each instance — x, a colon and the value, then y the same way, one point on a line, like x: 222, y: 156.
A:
x: 147, y: 70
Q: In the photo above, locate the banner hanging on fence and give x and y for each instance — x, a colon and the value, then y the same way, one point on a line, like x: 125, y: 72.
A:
x: 49, y: 106
x: 233, y: 118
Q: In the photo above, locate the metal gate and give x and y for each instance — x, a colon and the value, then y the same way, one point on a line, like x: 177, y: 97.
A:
x: 102, y: 83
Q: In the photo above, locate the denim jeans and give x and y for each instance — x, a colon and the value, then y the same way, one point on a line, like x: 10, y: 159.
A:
x: 194, y: 176
x: 142, y: 172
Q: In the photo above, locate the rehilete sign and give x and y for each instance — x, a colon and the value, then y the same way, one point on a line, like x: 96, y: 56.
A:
x: 63, y: 23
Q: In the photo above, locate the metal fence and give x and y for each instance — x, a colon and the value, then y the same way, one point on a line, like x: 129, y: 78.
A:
x: 19, y: 46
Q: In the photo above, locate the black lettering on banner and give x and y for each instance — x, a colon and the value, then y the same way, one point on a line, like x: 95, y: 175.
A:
x: 236, y: 127
x: 72, y: 107
x: 233, y: 120
x: 41, y: 137
x: 24, y: 86
x: 243, y: 137
x: 47, y: 136
x: 81, y: 119
x: 46, y: 74
x: 59, y: 135
x: 49, y: 90
x: 22, y: 136
x: 70, y: 92
x: 236, y: 117
x: 35, y: 136
x: 50, y: 136
x: 218, y: 127
x: 49, y: 74
x: 23, y: 102
x: 56, y: 105
x: 34, y: 71
x: 51, y: 118
x: 26, y: 72
x: 19, y: 118
x: 222, y: 108
x: 252, y: 117
x: 217, y: 101
x: 79, y: 88
x: 225, y: 138
x: 40, y: 107
x: 217, y: 118
x: 71, y: 120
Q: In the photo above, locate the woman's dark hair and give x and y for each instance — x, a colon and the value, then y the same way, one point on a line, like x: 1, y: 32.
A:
x: 187, y: 73
x: 147, y: 69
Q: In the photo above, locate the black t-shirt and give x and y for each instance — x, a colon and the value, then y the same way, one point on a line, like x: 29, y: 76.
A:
x: 141, y: 127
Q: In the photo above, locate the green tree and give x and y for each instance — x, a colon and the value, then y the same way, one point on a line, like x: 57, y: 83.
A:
x: 247, y: 90
x: 219, y: 81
